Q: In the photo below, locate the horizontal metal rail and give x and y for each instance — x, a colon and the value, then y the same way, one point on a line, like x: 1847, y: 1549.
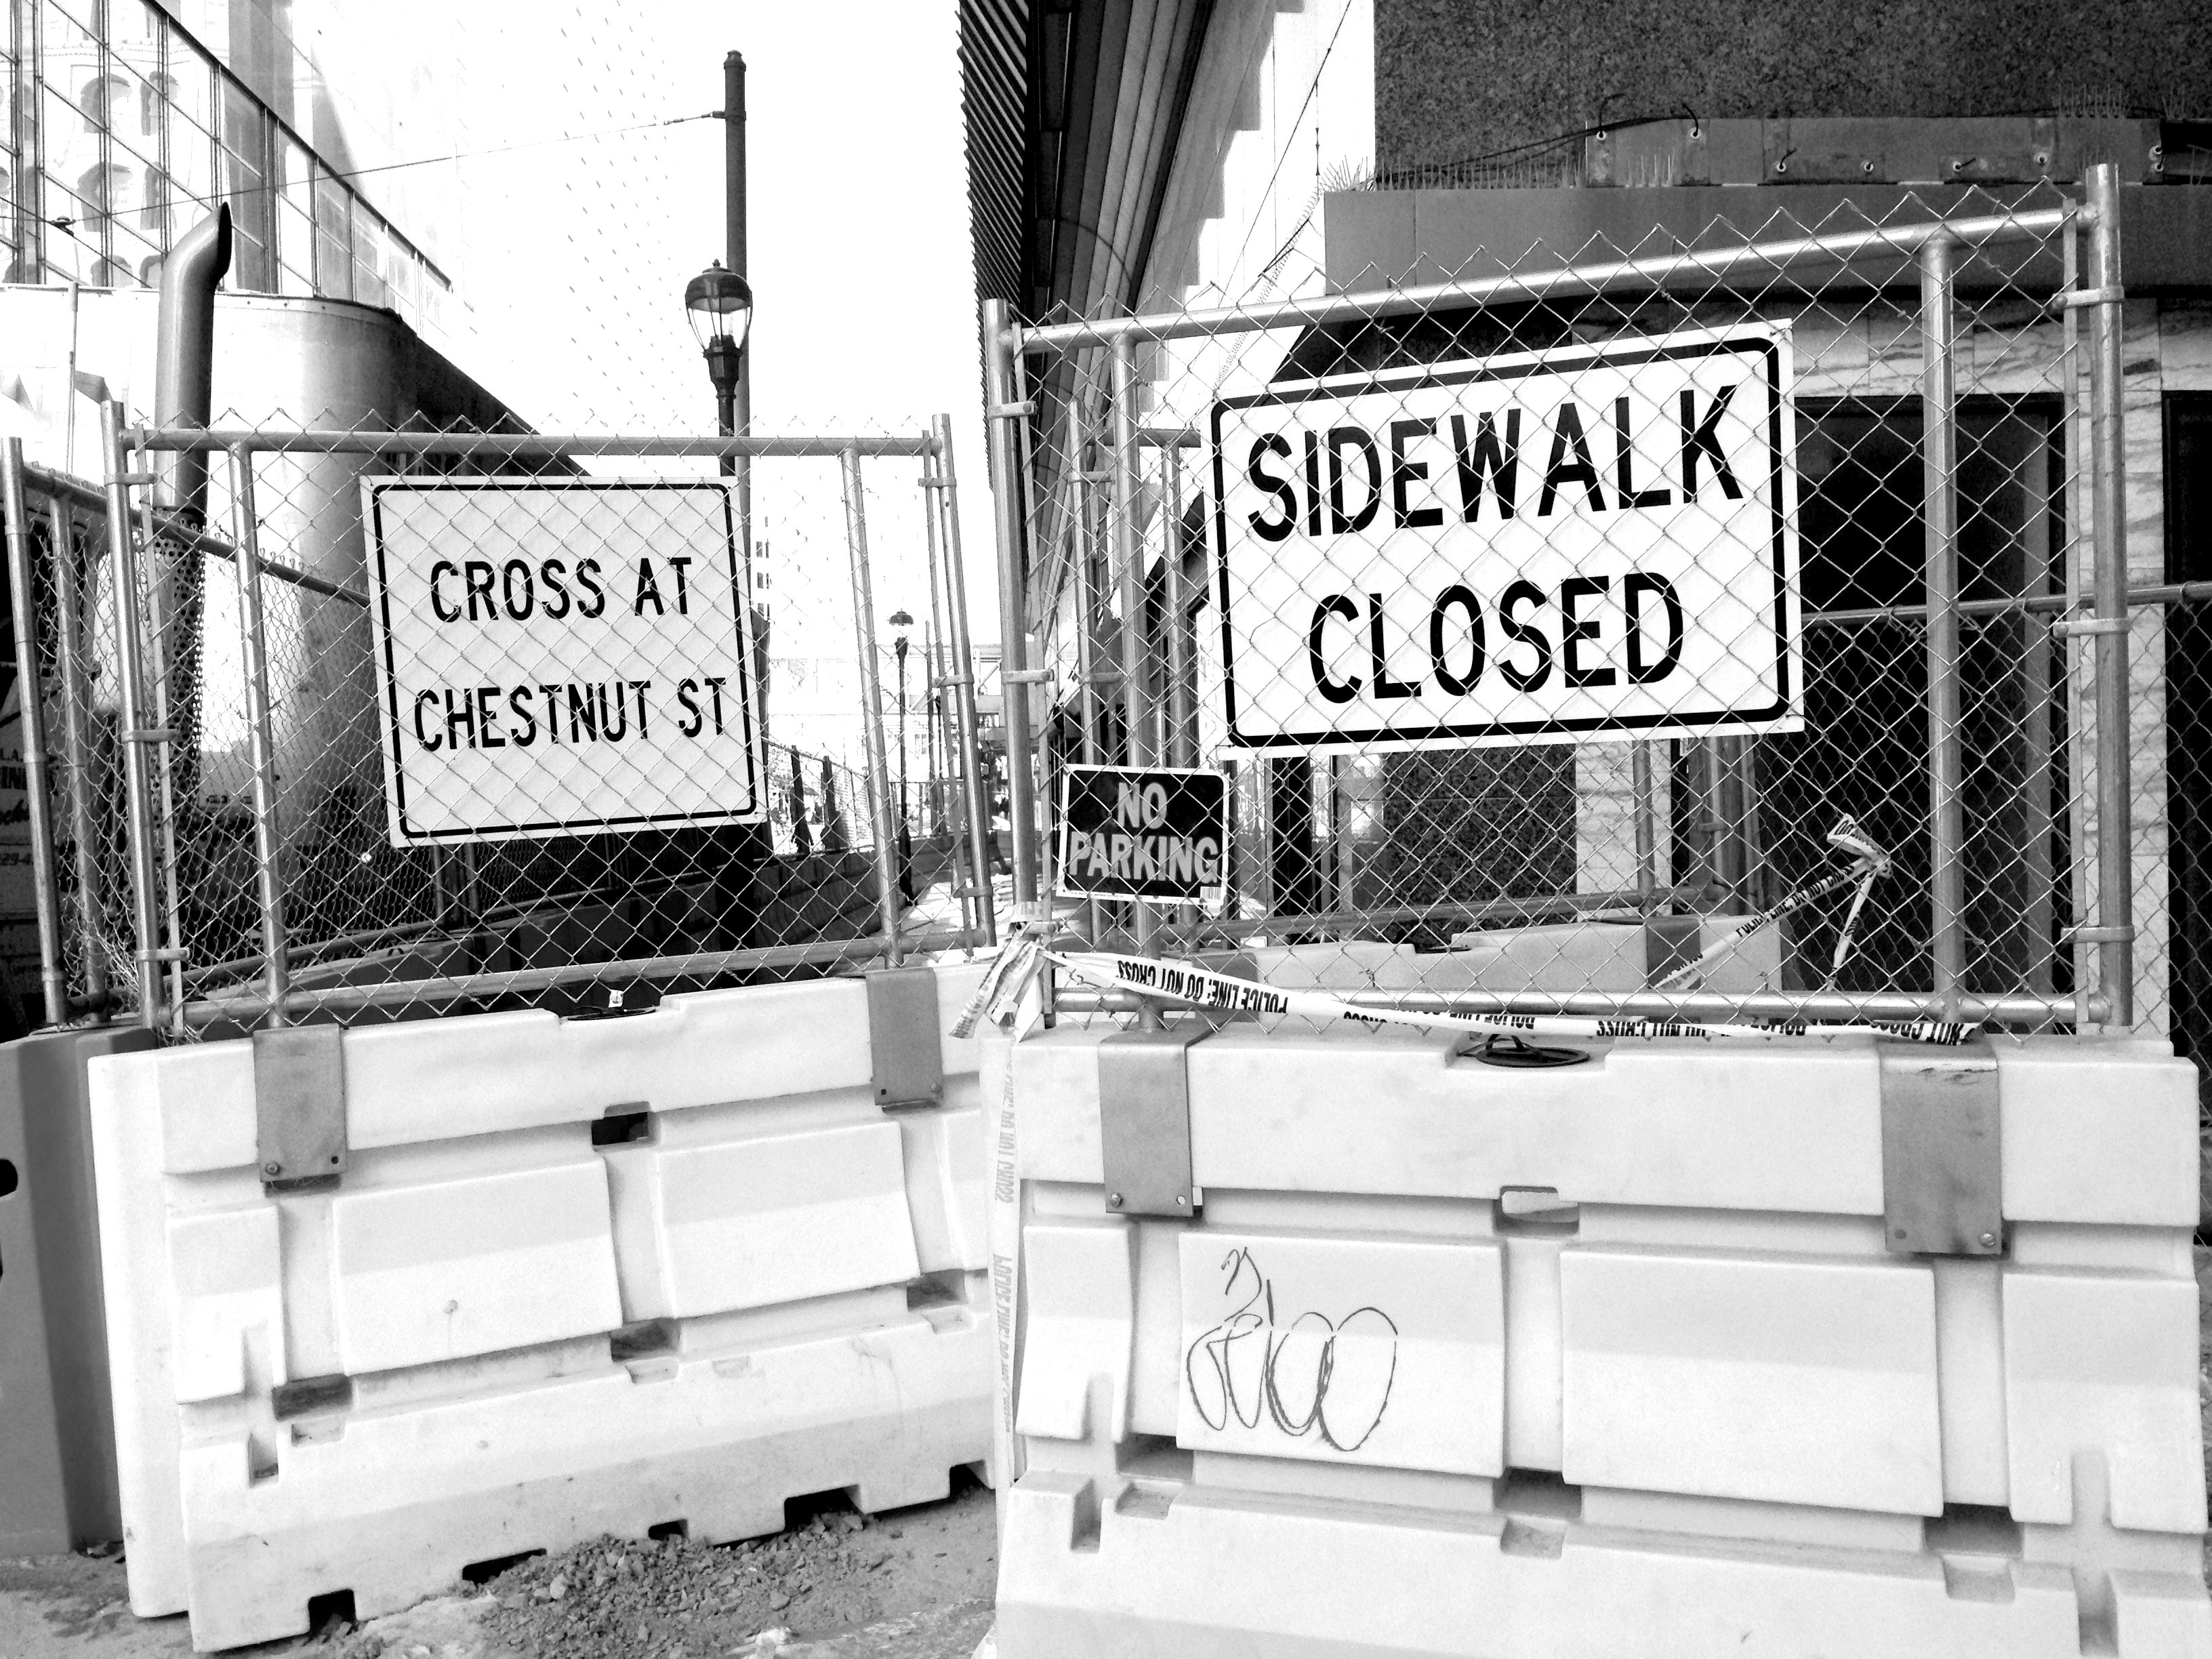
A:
x: 461, y: 988
x: 1598, y: 278
x: 62, y: 487
x: 1766, y: 1005
x: 551, y: 446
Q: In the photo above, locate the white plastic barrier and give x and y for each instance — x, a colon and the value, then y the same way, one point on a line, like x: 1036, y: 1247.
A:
x: 1606, y: 1361
x: 574, y: 1277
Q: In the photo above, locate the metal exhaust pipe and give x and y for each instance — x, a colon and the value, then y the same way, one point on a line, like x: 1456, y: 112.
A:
x: 184, y: 352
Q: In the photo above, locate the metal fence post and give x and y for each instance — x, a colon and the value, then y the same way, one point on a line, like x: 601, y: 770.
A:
x: 133, y: 737
x: 1129, y: 564
x: 1645, y: 812
x: 30, y: 699
x: 76, y: 744
x: 2115, y: 928
x: 252, y: 638
x: 1180, y: 738
x: 871, y: 708
x: 964, y: 682
x: 1940, y: 519
x: 1001, y: 413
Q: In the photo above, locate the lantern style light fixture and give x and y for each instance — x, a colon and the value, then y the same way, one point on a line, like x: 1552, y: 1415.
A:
x: 719, y: 304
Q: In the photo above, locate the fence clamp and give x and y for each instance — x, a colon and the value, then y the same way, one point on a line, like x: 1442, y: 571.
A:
x: 1144, y: 1120
x: 300, y: 1104
x: 906, y: 1045
x: 1940, y: 1192
x: 2068, y: 627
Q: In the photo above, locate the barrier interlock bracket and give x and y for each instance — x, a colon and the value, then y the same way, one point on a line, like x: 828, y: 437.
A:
x: 906, y: 1050
x: 1941, y: 1190
x: 300, y: 1104
x: 1144, y: 1120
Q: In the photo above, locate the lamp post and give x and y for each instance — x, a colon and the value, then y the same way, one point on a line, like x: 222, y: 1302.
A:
x: 719, y: 304
x: 900, y: 622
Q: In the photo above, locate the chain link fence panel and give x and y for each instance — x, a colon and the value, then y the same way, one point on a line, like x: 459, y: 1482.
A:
x: 1739, y: 631
x: 655, y: 732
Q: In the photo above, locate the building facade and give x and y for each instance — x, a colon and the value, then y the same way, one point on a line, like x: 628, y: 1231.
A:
x: 127, y: 123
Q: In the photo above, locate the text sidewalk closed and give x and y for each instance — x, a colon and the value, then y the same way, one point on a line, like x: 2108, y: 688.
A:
x: 1542, y: 548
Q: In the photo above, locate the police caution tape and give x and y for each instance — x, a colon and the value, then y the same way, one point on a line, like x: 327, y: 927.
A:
x: 1201, y: 988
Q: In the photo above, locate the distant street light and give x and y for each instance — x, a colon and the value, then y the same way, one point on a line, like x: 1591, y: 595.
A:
x: 901, y: 621
x: 719, y: 304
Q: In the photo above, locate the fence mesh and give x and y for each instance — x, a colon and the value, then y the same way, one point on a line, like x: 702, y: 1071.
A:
x: 469, y: 725
x: 1567, y: 640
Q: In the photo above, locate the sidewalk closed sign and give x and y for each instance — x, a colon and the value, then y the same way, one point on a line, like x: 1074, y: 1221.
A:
x: 1541, y: 548
x: 561, y: 658
x: 1154, y: 833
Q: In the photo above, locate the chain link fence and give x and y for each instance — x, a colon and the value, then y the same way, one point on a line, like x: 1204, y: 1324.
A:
x: 407, y: 723
x: 1734, y: 632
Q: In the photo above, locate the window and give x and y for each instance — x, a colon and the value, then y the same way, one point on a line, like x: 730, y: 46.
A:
x: 98, y: 100
x: 99, y: 187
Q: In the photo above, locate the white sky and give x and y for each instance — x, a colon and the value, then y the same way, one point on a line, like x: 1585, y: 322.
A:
x: 572, y: 258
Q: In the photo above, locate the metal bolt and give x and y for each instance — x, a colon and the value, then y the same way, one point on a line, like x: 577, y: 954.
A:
x: 1988, y: 1241
x: 1180, y: 1201
x: 1113, y: 1200
x: 272, y: 1169
x: 1866, y: 166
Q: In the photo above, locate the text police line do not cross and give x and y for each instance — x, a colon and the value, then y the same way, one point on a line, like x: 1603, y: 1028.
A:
x: 562, y: 657
x: 1539, y: 547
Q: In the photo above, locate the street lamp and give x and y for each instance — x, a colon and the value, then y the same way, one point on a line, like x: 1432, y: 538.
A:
x: 901, y: 621
x: 719, y: 304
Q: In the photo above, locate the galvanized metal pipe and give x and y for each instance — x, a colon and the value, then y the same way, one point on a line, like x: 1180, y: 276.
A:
x: 2115, y: 925
x: 132, y: 738
x: 1939, y: 450
x: 1140, y: 745
x: 31, y: 707
x: 76, y: 744
x: 1645, y: 814
x: 539, y: 445
x: 1763, y: 1005
x: 172, y: 654
x: 1180, y: 747
x: 703, y: 964
x: 964, y: 700
x: 932, y: 674
x: 872, y: 708
x: 260, y: 735
x: 1001, y: 415
x: 1596, y: 277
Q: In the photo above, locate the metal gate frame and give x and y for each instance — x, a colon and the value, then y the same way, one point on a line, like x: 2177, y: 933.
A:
x: 138, y: 530
x: 2092, y: 283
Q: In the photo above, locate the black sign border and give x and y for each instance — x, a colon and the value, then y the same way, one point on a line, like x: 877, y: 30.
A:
x: 1060, y: 839
x: 548, y: 828
x: 1763, y: 345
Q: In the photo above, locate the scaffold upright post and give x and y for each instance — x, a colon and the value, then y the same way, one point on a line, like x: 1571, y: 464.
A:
x: 30, y: 710
x: 977, y: 799
x: 871, y: 708
x: 123, y: 584
x: 2115, y: 921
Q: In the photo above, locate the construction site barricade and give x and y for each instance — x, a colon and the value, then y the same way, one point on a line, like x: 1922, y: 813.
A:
x: 57, y: 1445
x: 1647, y: 1355
x: 388, y: 1304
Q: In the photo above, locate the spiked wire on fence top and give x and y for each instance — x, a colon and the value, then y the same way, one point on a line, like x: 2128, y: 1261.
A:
x: 1740, y: 598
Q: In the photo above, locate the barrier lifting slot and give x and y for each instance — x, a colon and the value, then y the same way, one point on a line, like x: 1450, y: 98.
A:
x: 1940, y: 1189
x: 1144, y: 1120
x: 299, y: 1104
x: 906, y: 1051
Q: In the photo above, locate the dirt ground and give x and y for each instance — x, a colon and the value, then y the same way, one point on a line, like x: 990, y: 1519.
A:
x: 911, y: 1583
